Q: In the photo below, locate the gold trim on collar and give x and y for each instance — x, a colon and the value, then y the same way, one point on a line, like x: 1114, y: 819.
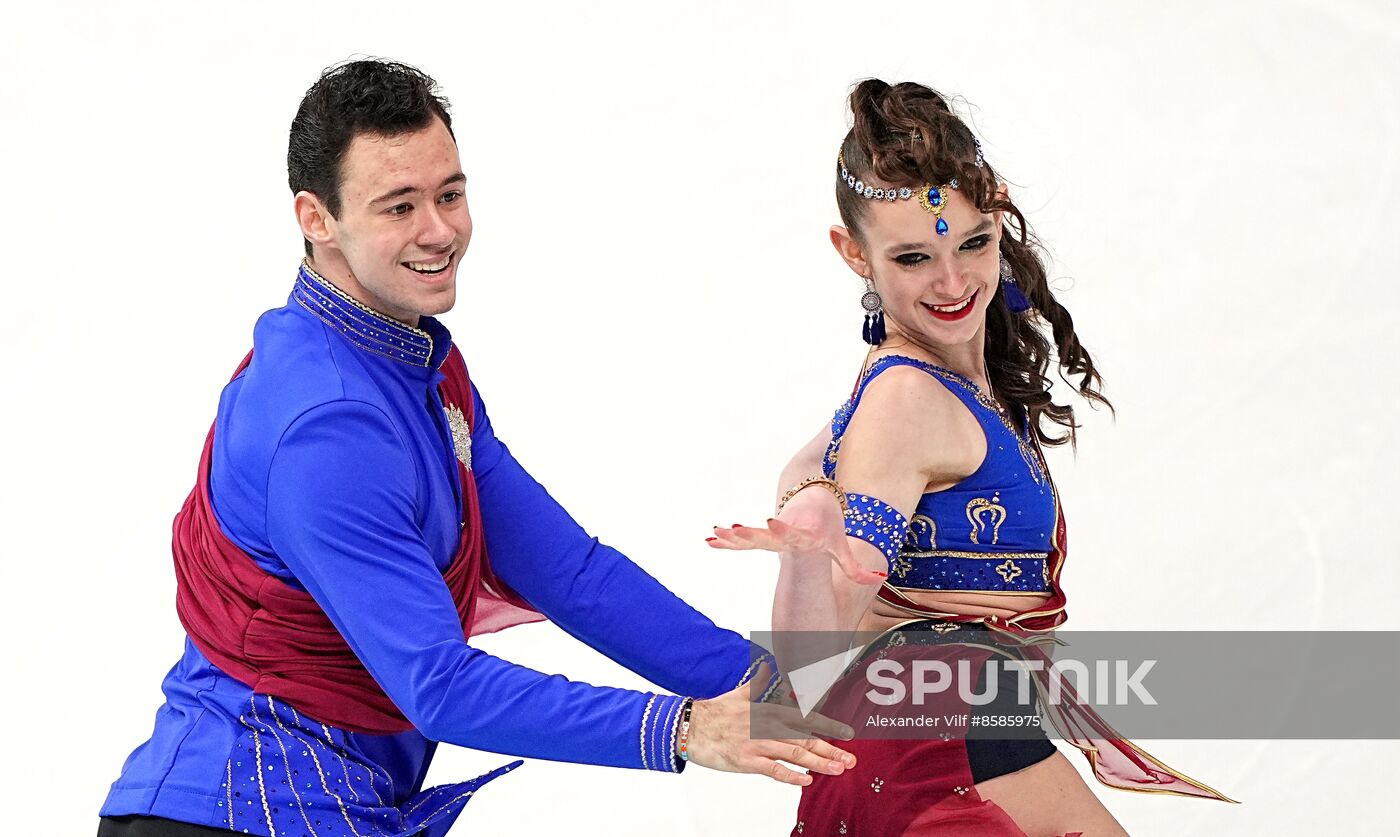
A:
x: 335, y: 289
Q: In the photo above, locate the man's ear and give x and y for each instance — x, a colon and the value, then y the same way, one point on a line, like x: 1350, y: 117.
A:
x: 316, y: 222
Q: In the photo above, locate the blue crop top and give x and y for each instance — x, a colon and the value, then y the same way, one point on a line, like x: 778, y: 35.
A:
x: 992, y: 532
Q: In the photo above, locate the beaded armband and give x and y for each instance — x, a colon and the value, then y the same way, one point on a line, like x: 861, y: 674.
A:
x: 876, y: 522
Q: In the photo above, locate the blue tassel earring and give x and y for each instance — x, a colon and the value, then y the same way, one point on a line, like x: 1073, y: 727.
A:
x: 873, y: 332
x: 1016, y: 301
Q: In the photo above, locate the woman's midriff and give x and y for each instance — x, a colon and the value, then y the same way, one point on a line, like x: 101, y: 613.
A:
x: 882, y: 615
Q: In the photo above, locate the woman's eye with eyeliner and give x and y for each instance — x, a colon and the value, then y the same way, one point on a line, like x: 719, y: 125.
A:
x: 976, y: 243
x: 909, y: 259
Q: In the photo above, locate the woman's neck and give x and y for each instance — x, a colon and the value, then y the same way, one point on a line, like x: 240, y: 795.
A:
x: 967, y: 359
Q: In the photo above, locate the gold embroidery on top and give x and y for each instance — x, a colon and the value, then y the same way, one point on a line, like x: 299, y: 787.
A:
x: 987, y: 556
x: 919, y: 526
x: 1008, y: 570
x: 979, y: 506
x: 1052, y: 573
x: 461, y: 435
x: 944, y: 627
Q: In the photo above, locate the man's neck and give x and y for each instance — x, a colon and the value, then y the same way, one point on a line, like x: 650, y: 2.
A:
x: 334, y: 269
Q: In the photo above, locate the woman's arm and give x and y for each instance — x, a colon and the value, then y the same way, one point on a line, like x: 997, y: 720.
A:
x: 807, y: 462
x: 901, y: 439
x: 806, y: 594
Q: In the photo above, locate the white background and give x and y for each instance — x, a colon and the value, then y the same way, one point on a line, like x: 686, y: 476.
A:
x: 656, y: 320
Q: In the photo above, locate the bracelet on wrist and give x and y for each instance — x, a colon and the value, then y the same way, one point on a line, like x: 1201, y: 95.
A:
x: 683, y: 734
x: 829, y: 484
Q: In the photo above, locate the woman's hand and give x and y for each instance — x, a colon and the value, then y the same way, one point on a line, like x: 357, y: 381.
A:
x: 810, y: 526
x: 720, y: 736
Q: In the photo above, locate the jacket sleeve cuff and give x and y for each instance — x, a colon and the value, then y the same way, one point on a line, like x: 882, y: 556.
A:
x: 659, y: 727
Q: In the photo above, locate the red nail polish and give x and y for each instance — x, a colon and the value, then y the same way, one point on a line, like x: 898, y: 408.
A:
x: 711, y: 540
x: 735, y: 526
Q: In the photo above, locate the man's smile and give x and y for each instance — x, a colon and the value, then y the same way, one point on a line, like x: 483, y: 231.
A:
x: 431, y: 268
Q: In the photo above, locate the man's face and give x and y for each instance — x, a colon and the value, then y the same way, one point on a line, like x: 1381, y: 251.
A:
x: 403, y: 224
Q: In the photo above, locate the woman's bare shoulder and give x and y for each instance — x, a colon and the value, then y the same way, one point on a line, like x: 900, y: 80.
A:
x: 907, y: 418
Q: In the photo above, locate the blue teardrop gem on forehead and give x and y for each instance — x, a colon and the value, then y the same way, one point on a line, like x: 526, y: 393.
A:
x: 941, y: 227
x: 934, y: 198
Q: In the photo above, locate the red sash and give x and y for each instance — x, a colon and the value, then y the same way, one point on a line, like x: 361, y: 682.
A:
x: 1116, y: 761
x: 277, y: 640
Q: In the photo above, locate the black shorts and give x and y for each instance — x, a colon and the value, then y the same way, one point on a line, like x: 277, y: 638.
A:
x: 135, y: 825
x: 990, y: 752
x: 992, y: 748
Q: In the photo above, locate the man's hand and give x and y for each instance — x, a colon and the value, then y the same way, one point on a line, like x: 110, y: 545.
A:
x: 719, y: 737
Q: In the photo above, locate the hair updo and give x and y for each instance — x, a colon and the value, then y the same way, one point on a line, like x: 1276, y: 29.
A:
x: 907, y: 135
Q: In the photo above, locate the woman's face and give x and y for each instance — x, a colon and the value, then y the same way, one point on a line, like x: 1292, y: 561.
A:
x: 935, y: 288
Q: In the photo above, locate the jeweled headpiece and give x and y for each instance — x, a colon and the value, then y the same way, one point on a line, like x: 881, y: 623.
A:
x: 931, y: 197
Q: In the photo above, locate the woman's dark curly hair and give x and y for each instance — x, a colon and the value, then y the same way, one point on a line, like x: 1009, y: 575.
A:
x: 907, y: 135
x: 370, y: 96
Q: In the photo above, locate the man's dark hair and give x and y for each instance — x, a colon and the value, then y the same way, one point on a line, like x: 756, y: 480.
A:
x: 371, y: 96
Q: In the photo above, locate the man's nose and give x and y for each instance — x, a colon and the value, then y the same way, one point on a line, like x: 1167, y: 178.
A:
x: 435, y: 232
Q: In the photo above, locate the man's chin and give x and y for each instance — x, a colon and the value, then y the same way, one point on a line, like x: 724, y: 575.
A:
x: 440, y: 303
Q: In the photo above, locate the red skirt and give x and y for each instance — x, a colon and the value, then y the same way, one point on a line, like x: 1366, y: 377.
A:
x: 908, y: 780
x: 901, y: 787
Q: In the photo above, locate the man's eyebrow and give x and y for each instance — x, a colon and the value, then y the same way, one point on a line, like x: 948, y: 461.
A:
x: 409, y: 190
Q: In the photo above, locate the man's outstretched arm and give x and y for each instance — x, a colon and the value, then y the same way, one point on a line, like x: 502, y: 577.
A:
x: 341, y: 515
x: 591, y: 590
